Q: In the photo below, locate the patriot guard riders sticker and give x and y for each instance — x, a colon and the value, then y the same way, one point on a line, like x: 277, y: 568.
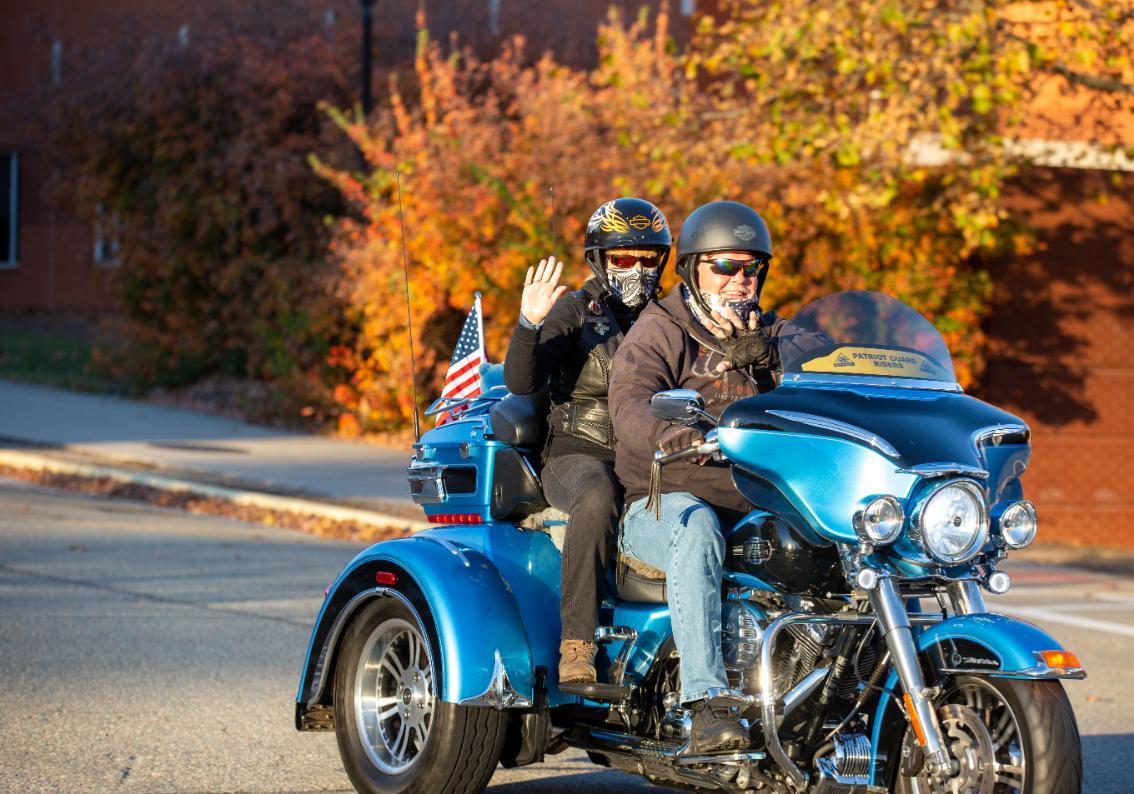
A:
x: 888, y: 362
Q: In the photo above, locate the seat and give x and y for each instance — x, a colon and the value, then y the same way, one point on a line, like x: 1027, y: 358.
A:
x: 637, y: 581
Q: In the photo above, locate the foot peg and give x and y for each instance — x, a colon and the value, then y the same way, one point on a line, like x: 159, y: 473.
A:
x: 609, y: 633
x: 600, y: 692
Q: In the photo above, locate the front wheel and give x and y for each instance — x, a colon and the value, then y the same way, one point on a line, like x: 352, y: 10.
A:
x: 395, y: 734
x: 1006, y: 736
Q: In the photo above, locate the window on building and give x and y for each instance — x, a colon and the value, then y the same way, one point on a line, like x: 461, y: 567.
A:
x: 107, y: 238
x: 56, y: 62
x: 494, y: 17
x: 9, y: 208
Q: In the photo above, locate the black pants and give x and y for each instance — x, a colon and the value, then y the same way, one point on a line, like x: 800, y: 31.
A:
x: 586, y: 488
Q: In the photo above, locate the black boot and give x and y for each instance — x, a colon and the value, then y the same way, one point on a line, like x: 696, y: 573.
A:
x: 715, y: 728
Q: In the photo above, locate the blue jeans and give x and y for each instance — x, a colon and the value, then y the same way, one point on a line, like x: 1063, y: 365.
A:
x: 687, y: 544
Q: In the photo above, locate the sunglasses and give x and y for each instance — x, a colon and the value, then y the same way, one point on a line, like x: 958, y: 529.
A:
x: 630, y: 260
x: 723, y: 266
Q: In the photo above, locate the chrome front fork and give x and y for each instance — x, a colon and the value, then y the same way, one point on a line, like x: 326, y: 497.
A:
x: 895, y: 621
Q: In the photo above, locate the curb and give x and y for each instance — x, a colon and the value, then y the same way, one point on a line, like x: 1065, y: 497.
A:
x: 285, y: 504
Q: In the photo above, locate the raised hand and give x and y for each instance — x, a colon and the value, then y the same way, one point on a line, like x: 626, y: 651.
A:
x: 541, y: 290
x: 743, y: 343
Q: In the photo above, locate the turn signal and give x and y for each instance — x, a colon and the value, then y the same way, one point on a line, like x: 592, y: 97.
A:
x: 1064, y: 660
x: 911, y: 714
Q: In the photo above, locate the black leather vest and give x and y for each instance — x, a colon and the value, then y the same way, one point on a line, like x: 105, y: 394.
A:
x: 580, y: 384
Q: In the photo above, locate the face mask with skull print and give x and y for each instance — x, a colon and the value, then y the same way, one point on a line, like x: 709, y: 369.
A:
x: 717, y: 304
x: 632, y: 286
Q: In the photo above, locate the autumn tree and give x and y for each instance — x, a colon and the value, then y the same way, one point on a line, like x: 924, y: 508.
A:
x: 197, y: 155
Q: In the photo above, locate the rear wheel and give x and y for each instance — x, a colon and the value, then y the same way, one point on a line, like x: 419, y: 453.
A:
x: 395, y: 734
x: 1008, y: 737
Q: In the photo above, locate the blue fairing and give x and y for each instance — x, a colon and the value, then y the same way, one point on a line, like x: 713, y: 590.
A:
x: 1013, y: 642
x: 818, y: 477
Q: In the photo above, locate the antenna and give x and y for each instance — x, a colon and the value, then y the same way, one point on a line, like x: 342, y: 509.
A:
x: 409, y: 316
x: 551, y: 192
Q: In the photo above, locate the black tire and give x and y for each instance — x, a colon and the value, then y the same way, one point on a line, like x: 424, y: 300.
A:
x: 462, y: 745
x: 1048, y: 735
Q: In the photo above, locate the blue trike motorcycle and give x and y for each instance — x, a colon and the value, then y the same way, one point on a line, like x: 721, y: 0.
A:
x: 855, y: 635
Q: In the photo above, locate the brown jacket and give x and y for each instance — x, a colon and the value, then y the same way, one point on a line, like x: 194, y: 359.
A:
x: 668, y: 349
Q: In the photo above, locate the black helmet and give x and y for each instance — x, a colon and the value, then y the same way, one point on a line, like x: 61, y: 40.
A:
x: 721, y: 226
x: 625, y: 223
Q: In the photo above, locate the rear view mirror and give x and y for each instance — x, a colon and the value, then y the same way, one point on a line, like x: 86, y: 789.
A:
x: 680, y: 406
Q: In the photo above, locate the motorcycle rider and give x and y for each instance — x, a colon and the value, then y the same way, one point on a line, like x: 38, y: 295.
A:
x: 710, y: 335
x: 568, y: 341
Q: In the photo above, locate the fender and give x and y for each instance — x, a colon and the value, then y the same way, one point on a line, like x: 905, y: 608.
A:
x: 485, y: 656
x: 988, y: 644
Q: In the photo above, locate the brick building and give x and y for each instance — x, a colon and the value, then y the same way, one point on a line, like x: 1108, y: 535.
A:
x: 1061, y: 329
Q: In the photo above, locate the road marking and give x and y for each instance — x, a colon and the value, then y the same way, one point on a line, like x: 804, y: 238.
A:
x: 1042, y: 613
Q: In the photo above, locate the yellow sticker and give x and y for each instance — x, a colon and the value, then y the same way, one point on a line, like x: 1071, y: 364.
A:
x: 878, y: 361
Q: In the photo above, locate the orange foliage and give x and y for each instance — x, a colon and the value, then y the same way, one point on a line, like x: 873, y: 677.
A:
x: 485, y: 142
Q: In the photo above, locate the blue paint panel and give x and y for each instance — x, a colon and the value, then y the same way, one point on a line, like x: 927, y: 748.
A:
x: 473, y: 609
x: 825, y: 479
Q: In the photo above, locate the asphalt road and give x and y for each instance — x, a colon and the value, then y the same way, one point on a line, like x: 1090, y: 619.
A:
x: 153, y: 651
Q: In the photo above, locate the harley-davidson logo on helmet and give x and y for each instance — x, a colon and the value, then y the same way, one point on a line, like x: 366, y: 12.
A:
x: 744, y: 232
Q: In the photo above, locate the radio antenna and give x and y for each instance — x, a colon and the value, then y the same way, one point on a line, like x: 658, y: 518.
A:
x: 551, y: 192
x: 409, y: 314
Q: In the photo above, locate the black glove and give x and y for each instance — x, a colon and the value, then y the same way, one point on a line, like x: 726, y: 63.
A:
x: 678, y: 437
x: 747, y: 348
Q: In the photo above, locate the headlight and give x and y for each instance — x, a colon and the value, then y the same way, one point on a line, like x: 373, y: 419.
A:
x: 881, y: 521
x: 953, y: 522
x: 1018, y: 524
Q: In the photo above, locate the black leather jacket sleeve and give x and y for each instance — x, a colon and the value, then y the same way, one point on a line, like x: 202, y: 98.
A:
x: 533, y: 353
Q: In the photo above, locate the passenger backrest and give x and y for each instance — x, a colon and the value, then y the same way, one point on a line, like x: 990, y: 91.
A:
x: 520, y: 420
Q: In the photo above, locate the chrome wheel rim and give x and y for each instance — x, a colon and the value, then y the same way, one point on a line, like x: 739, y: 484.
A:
x: 984, y: 738
x: 394, y: 696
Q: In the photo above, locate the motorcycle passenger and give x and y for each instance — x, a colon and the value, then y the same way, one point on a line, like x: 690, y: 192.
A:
x: 710, y: 335
x: 567, y: 341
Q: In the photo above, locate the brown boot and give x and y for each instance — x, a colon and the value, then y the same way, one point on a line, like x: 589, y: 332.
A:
x: 577, y: 662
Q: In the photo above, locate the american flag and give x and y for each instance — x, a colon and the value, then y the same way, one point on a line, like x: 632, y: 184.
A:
x: 464, y: 379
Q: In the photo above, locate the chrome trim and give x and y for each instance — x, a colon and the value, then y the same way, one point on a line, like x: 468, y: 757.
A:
x: 445, y: 403
x: 834, y: 425
x: 448, y: 545
x: 430, y: 475
x: 617, y: 671
x: 860, y: 380
x: 804, y: 689
x: 896, y: 630
x: 995, y: 434
x: 608, y: 633
x: 930, y: 470
x: 499, y: 693
x: 769, y: 724
x: 327, y: 652
x: 966, y: 598
x: 981, y: 537
x: 1039, y: 672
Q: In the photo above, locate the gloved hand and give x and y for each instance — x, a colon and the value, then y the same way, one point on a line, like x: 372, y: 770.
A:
x: 744, y: 343
x: 746, y: 349
x: 678, y: 437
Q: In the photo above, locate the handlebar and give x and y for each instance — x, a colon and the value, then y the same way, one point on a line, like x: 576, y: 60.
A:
x: 707, y: 447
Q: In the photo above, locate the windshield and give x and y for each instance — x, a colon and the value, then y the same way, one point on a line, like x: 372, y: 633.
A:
x: 863, y: 334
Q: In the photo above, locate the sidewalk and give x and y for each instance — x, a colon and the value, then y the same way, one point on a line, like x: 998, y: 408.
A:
x: 152, y: 445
